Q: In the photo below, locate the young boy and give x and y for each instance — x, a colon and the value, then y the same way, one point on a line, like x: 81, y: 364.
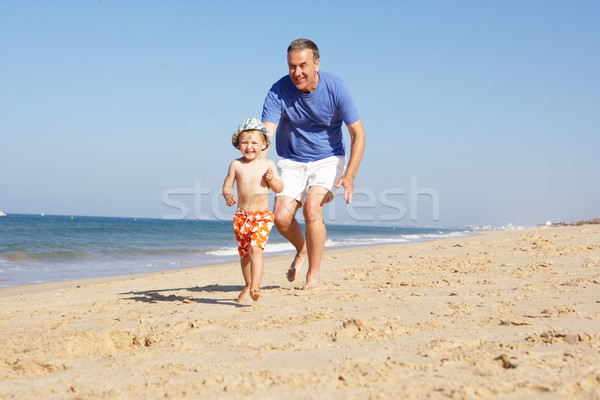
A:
x: 252, y: 222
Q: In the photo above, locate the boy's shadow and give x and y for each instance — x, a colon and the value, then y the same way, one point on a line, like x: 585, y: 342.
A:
x: 155, y: 296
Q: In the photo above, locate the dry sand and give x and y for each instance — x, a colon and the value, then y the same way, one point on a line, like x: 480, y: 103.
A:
x: 499, y: 315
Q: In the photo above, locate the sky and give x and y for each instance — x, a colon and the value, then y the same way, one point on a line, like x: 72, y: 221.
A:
x: 475, y: 113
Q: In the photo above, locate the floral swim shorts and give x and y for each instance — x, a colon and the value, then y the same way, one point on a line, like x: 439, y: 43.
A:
x: 252, y: 228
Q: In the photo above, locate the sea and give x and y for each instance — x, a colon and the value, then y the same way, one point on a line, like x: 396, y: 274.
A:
x: 50, y: 248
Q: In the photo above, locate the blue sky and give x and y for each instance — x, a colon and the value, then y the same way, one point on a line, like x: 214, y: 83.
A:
x: 476, y: 113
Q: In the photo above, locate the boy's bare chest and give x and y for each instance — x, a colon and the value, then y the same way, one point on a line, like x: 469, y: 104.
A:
x: 251, y: 176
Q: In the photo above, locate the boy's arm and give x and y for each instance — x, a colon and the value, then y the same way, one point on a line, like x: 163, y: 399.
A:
x: 273, y: 179
x: 228, y: 186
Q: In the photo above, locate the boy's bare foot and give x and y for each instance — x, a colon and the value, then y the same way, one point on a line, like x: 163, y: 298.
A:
x: 295, y: 267
x: 243, y: 295
x: 312, y: 285
x: 255, y: 294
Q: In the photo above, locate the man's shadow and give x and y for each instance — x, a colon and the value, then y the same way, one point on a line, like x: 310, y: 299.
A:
x: 158, y: 295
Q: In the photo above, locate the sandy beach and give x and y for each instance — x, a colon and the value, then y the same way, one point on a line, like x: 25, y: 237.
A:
x: 497, y: 315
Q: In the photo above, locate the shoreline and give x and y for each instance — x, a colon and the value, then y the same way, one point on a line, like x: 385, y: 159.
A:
x: 70, y: 283
x: 499, y: 314
x: 20, y: 290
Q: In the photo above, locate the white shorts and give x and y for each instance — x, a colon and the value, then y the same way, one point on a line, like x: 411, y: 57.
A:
x: 298, y: 177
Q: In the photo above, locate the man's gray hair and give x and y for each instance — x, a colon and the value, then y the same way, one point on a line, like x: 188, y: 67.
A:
x: 302, y: 44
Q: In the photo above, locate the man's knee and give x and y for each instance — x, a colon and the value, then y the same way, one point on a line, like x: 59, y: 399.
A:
x: 282, y: 220
x: 313, y: 211
x: 315, y: 201
x: 283, y: 214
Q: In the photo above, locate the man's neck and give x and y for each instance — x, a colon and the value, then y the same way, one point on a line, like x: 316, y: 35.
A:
x: 312, y: 88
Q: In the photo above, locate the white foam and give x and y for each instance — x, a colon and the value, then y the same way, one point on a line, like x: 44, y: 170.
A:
x: 412, y: 237
x: 368, y: 241
x: 270, y: 248
x: 224, y: 251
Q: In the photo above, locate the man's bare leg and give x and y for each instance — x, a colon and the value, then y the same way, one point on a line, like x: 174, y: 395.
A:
x: 315, y: 242
x: 245, y: 293
x: 285, y: 212
x: 316, y: 233
x: 296, y: 265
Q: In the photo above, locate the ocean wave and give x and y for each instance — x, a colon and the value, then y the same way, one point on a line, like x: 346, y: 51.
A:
x: 68, y: 256
x: 24, y: 257
x: 350, y: 242
x: 270, y: 248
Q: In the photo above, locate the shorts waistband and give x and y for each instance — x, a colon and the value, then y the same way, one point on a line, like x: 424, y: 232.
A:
x: 312, y: 162
x: 246, y: 212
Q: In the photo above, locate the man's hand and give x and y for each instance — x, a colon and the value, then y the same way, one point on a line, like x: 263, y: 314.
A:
x: 348, y: 184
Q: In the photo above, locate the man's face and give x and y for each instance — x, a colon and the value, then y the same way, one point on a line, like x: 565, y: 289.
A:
x: 303, y: 70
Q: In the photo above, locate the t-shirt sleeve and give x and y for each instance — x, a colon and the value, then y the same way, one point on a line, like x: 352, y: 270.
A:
x: 272, y: 106
x: 346, y: 105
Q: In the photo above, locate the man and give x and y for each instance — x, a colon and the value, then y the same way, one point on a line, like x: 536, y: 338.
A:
x: 305, y: 110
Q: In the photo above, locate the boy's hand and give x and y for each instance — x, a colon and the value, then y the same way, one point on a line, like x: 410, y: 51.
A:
x: 269, y: 175
x: 230, y: 199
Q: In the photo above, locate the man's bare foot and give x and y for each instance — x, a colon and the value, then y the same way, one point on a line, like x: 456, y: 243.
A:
x: 243, y: 295
x: 255, y: 294
x: 312, y: 285
x: 295, y: 267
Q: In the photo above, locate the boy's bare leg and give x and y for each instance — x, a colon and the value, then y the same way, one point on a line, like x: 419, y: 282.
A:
x: 316, y: 233
x: 285, y: 211
x: 256, y: 271
x: 245, y: 293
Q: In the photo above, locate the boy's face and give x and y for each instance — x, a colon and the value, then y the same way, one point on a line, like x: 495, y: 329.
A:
x: 251, y: 144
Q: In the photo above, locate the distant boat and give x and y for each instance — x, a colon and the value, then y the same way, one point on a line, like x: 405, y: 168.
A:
x: 42, y: 214
x: 2, y: 214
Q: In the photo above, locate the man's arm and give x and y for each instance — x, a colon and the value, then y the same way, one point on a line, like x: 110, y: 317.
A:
x: 271, y: 128
x: 357, y: 149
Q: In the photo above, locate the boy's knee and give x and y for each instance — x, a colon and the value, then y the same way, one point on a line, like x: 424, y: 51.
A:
x: 254, y: 251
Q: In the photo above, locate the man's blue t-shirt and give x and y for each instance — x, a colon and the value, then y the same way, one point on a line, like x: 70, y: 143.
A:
x: 309, y: 126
